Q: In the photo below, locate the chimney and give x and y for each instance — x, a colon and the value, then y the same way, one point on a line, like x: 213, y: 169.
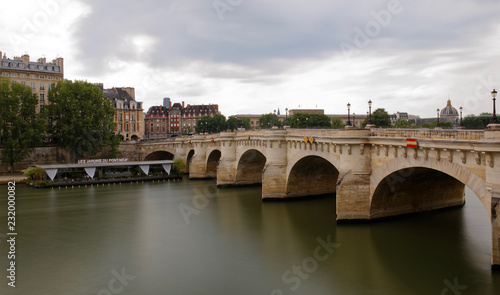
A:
x: 42, y: 60
x: 182, y: 104
x: 25, y: 59
x: 169, y: 104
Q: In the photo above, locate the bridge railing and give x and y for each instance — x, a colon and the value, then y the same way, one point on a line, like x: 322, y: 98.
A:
x: 429, y: 133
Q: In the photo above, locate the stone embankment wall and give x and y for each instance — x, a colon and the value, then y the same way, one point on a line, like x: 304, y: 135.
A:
x: 57, y: 155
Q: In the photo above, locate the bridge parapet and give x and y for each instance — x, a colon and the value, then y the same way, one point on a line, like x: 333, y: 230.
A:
x: 452, y: 134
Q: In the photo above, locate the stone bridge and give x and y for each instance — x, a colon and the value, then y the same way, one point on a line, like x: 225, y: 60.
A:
x: 373, y: 172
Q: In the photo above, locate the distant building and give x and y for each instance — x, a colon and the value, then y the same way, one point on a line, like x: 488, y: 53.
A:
x: 129, y: 117
x: 399, y: 115
x: 157, y: 122
x: 178, y: 118
x: 449, y: 111
x: 306, y: 111
x: 39, y: 75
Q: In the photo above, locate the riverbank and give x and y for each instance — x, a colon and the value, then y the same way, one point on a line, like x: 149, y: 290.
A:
x: 19, y: 178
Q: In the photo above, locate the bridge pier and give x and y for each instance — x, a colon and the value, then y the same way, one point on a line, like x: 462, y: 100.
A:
x: 353, y: 193
x: 226, y: 172
x: 198, y: 167
x: 274, y: 181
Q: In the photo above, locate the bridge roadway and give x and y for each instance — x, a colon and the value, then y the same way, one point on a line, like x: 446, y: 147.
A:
x: 373, y: 172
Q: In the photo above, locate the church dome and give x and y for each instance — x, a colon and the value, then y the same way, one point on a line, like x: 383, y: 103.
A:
x: 449, y: 111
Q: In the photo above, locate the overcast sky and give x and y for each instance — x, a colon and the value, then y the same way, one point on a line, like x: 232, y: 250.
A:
x: 254, y: 56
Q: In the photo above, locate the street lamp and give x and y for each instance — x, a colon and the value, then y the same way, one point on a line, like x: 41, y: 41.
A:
x: 370, y: 112
x: 297, y: 123
x: 353, y: 120
x: 286, y: 119
x: 494, y: 119
x: 461, y: 122
x: 348, y: 115
x: 438, y: 125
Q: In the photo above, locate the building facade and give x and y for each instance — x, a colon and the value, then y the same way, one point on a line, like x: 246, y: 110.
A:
x: 40, y: 75
x: 129, y: 116
x: 174, y: 119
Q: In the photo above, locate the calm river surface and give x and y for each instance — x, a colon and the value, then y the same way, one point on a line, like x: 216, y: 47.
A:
x: 133, y: 239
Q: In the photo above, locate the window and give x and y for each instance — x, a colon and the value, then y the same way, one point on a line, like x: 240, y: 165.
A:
x: 14, y: 74
x: 42, y: 86
x: 32, y: 76
x: 120, y: 118
x: 133, y: 117
x: 133, y: 127
x: 42, y: 97
x: 126, y: 127
x: 14, y: 82
x: 23, y: 83
x: 23, y: 75
x: 5, y: 74
x: 50, y: 86
x: 42, y: 77
x: 51, y: 78
x: 120, y: 127
x: 42, y: 108
x: 33, y: 86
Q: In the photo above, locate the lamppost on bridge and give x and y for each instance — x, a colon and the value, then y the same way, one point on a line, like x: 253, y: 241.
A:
x: 274, y: 119
x: 307, y: 123
x: 286, y: 118
x: 354, y: 120
x: 297, y: 123
x: 369, y: 122
x: 461, y: 125
x: 348, y: 115
x: 494, y: 119
x: 438, y: 126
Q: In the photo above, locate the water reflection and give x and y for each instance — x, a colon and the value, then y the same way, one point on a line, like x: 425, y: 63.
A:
x: 71, y: 241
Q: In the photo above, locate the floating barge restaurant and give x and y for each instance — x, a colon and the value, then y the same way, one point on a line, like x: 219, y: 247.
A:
x: 106, y: 172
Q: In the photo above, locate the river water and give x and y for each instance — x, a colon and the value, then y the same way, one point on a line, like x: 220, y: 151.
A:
x: 189, y: 237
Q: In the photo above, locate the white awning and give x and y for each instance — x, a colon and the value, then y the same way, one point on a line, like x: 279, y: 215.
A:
x: 167, y: 167
x: 145, y: 168
x: 51, y: 173
x: 90, y: 171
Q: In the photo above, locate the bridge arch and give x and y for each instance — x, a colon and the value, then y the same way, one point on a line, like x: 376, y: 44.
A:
x: 250, y: 166
x: 159, y: 155
x: 394, y: 186
x: 189, y: 157
x: 311, y: 175
x: 212, y: 163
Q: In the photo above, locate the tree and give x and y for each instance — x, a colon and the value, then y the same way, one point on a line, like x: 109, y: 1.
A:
x: 231, y: 123
x: 22, y: 128
x: 81, y: 118
x: 381, y: 118
x: 246, y: 123
x: 402, y: 123
x: 219, y: 123
x: 267, y: 121
x: 434, y: 124
x: 337, y: 123
x: 303, y: 120
x: 210, y: 124
x: 477, y: 122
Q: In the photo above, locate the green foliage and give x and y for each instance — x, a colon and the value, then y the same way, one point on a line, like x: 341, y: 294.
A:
x: 402, y: 123
x: 316, y: 121
x: 81, y: 118
x: 210, y: 124
x: 33, y: 173
x: 21, y: 128
x: 434, y: 124
x: 476, y: 122
x: 381, y: 118
x: 267, y: 121
x: 231, y: 123
x: 179, y: 166
x: 245, y: 122
x: 337, y: 123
